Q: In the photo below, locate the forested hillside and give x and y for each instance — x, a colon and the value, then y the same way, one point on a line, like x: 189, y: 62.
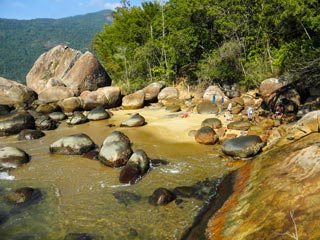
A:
x: 206, y: 41
x: 23, y: 41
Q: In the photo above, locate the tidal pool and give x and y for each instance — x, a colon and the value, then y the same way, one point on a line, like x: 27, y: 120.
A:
x: 78, y: 192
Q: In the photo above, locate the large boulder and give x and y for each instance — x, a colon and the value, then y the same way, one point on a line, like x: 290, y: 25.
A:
x: 65, y: 65
x: 12, y: 157
x: 134, y: 100
x: 55, y: 94
x: 269, y: 86
x: 152, y: 91
x: 107, y: 97
x: 168, y: 94
x: 15, y: 122
x: 75, y: 144
x: 215, y: 91
x: 71, y: 104
x: 207, y: 107
x: 12, y: 92
x: 243, y: 146
x: 30, y: 134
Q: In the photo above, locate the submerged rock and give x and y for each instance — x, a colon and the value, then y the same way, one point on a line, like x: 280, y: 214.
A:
x: 12, y: 157
x: 243, y: 147
x: 75, y: 144
x: 161, y: 196
x: 125, y: 197
x: 23, y: 198
x: 79, y: 236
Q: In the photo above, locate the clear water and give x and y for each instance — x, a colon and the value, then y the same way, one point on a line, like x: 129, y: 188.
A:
x: 78, y: 191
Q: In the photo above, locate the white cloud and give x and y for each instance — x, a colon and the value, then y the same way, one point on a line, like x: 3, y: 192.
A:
x: 112, y: 6
x: 104, y: 4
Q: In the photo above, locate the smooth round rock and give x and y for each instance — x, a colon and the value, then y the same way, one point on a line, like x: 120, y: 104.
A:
x: 161, y: 196
x: 136, y: 120
x: 12, y: 157
x: 243, y: 147
x: 75, y: 144
x: 30, y: 134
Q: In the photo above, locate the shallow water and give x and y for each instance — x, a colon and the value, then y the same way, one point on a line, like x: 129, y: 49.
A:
x: 78, y: 191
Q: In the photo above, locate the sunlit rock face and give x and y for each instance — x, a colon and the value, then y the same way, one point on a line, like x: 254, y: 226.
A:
x: 274, y: 194
x: 64, y: 67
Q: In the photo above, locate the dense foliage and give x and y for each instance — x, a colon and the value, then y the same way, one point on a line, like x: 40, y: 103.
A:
x: 23, y: 41
x: 224, y: 41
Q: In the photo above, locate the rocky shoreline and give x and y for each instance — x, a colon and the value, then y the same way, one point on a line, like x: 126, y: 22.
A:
x: 251, y: 128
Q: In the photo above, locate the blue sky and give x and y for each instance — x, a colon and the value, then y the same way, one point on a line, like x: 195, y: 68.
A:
x: 30, y: 9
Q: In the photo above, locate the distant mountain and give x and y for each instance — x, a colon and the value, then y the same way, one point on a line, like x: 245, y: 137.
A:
x: 23, y: 41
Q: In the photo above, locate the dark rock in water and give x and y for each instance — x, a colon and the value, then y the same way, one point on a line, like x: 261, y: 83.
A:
x: 93, y: 155
x: 136, y: 167
x: 161, y: 196
x: 206, y: 135
x: 30, y: 134
x: 139, y: 158
x: 3, y: 217
x: 98, y: 113
x: 79, y: 236
x: 158, y: 162
x: 22, y: 198
x: 185, y: 191
x: 130, y: 174
x: 212, y: 122
x: 136, y: 120
x: 45, y: 123
x: 12, y: 157
x: 125, y: 197
x: 58, y: 116
x: 207, y: 107
x: 77, y: 118
x: 243, y: 147
x: 75, y: 144
x: 22, y: 195
x: 15, y: 122
x: 239, y: 125
x: 24, y: 237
